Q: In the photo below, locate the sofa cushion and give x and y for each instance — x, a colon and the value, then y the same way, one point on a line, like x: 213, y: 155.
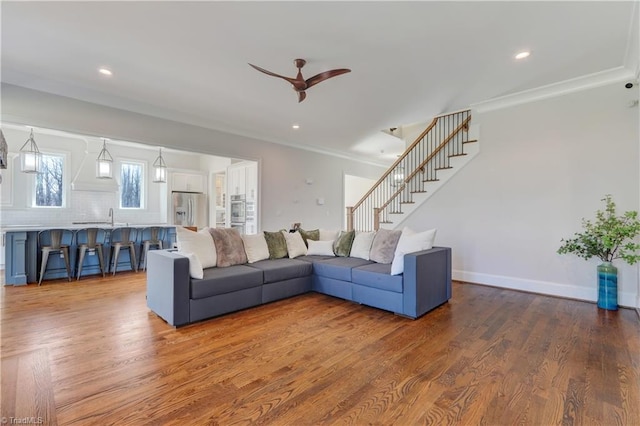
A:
x: 295, y: 244
x: 338, y: 268
x: 195, y: 267
x: 283, y: 269
x: 342, y: 245
x: 411, y: 242
x: 320, y: 248
x: 277, y: 244
x: 361, y: 246
x: 384, y: 245
x: 225, y: 280
x: 199, y: 243
x: 256, y: 247
x: 315, y: 258
x: 229, y: 246
x: 377, y: 275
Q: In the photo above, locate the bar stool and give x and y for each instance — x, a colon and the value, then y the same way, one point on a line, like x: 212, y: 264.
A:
x: 156, y: 235
x: 123, y: 237
x: 52, y: 241
x: 91, y: 240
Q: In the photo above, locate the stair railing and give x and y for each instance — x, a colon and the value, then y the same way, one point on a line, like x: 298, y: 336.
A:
x: 443, y: 138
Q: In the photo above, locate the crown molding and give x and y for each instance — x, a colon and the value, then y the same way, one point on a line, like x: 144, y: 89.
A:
x: 589, y: 81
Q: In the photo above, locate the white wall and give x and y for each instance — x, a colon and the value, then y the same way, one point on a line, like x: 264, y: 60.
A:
x: 354, y: 188
x: 542, y: 167
x: 286, y: 198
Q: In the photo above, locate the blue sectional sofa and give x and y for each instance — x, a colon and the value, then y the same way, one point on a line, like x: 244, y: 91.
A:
x: 179, y: 299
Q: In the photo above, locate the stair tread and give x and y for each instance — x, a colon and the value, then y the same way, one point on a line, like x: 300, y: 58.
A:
x: 396, y: 212
x: 457, y: 155
x: 431, y: 180
x: 470, y: 141
x: 407, y: 202
x: 418, y: 192
x: 444, y: 168
x: 385, y: 221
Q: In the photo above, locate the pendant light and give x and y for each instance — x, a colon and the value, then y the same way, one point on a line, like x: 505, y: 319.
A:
x: 159, y: 169
x: 104, y: 163
x: 30, y: 157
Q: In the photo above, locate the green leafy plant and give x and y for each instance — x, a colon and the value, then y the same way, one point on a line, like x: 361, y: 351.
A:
x: 609, y: 237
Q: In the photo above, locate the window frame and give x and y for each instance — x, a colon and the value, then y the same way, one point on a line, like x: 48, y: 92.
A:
x: 143, y: 184
x: 65, y: 181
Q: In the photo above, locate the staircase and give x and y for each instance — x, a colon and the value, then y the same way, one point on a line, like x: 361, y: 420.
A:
x: 424, y: 167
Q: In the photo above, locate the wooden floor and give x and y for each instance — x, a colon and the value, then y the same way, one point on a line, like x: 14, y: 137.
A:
x: 90, y: 352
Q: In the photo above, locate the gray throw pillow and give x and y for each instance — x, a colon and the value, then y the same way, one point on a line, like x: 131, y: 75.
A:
x: 277, y: 245
x: 342, y: 246
x: 229, y: 246
x: 384, y: 246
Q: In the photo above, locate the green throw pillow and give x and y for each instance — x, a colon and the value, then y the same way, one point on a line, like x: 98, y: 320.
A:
x: 310, y: 235
x: 342, y: 246
x: 277, y: 245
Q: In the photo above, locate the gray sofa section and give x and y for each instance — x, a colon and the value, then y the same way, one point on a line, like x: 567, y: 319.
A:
x: 177, y: 298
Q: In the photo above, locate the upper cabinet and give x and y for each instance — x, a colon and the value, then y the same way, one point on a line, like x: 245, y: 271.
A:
x: 242, y: 179
x: 187, y: 182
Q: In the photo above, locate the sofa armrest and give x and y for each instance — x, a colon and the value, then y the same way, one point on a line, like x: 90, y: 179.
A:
x: 427, y: 280
x: 168, y: 283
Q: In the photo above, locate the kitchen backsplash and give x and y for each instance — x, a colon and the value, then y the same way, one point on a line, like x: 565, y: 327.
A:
x: 85, y: 206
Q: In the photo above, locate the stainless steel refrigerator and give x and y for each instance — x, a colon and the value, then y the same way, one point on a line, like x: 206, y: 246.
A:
x: 189, y: 209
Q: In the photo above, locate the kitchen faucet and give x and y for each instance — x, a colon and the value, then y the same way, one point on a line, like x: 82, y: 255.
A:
x: 111, y: 214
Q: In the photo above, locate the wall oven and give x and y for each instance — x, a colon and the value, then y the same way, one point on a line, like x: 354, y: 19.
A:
x: 238, y: 210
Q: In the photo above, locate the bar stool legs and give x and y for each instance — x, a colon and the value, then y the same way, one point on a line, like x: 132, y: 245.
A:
x: 83, y: 249
x: 55, y: 244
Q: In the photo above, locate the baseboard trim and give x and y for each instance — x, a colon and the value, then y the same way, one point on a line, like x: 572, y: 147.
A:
x: 569, y: 291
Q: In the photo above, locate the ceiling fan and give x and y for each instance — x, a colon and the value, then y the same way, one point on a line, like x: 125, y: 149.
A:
x: 299, y: 83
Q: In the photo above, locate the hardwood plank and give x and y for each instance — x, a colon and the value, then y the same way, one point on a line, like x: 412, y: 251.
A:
x: 92, y: 353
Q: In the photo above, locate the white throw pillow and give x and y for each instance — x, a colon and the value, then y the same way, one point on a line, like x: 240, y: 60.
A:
x: 411, y: 242
x: 199, y: 243
x: 362, y: 244
x: 195, y: 267
x: 295, y: 244
x: 328, y: 235
x: 320, y: 248
x: 256, y: 247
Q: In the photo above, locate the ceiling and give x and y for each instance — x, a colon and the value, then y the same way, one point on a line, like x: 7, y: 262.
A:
x: 188, y: 61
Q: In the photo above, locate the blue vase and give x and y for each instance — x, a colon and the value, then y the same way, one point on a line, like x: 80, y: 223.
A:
x: 607, y: 286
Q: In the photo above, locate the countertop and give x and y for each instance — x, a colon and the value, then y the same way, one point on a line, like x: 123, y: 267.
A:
x: 74, y: 226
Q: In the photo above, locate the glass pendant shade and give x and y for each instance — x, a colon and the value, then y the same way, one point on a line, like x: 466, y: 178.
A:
x: 30, y: 156
x: 159, y: 169
x: 104, y: 163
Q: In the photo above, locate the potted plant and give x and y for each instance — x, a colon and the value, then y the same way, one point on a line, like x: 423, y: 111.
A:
x: 608, y: 238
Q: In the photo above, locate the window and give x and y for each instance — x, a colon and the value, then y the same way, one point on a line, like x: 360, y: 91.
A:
x: 132, y: 184
x: 50, y: 182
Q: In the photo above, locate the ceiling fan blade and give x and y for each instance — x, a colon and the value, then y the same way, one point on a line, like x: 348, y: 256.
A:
x: 325, y: 75
x: 301, y: 96
x: 290, y: 80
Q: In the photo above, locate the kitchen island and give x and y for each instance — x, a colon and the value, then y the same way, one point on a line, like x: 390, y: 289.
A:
x: 22, y: 253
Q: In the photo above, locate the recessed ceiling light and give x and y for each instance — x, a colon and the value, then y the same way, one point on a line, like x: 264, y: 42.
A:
x: 295, y: 126
x: 105, y: 71
x: 522, y: 55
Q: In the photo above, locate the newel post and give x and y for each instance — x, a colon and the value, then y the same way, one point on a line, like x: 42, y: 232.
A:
x: 376, y: 218
x: 349, y: 218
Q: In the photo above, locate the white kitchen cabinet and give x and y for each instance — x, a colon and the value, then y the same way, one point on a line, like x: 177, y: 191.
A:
x: 251, y: 181
x: 187, y: 182
x: 236, y: 180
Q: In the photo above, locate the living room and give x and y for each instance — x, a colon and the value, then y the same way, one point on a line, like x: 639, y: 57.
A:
x: 548, y: 155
